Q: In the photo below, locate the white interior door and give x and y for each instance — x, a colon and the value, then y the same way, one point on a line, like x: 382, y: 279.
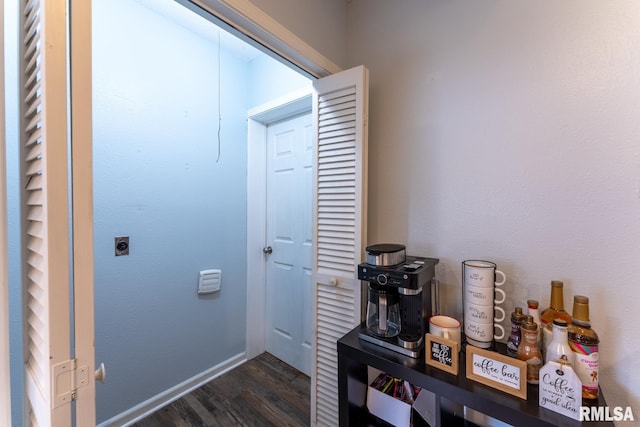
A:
x: 288, y: 272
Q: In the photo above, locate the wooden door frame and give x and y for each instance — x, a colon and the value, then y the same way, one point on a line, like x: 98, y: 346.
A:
x: 258, y: 119
x: 253, y: 25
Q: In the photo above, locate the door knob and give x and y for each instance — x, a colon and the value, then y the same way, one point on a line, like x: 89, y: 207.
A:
x: 267, y: 250
x: 101, y: 373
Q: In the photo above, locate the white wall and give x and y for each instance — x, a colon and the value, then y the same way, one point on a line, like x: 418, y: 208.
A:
x: 321, y: 24
x: 509, y: 131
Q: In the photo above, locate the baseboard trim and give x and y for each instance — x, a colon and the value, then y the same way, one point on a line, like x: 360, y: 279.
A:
x: 161, y: 400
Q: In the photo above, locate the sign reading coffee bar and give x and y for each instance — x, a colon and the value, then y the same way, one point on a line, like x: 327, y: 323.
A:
x: 498, y: 371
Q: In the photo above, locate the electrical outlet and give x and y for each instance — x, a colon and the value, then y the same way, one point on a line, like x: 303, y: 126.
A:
x: 122, y: 245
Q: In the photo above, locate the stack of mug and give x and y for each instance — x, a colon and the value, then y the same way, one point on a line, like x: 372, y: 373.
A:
x: 481, y: 296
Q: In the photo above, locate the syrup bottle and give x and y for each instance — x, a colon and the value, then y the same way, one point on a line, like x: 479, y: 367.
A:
x: 555, y: 309
x: 528, y: 350
x: 532, y: 309
x: 514, y: 339
x: 584, y: 343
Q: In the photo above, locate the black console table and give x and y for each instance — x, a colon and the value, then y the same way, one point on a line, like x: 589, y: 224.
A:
x: 354, y: 356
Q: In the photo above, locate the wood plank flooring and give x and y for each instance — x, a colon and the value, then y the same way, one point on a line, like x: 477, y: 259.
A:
x: 261, y: 392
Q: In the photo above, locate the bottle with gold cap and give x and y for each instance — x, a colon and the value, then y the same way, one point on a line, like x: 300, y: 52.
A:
x: 514, y: 339
x: 555, y: 310
x: 532, y: 309
x: 528, y: 349
x: 584, y: 344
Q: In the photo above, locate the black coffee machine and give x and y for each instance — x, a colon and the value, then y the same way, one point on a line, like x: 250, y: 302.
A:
x: 399, y: 298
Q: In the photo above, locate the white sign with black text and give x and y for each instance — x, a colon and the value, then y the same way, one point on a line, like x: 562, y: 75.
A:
x: 497, y: 370
x: 560, y: 390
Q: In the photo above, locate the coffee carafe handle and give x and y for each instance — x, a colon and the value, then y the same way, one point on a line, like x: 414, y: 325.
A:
x: 435, y: 293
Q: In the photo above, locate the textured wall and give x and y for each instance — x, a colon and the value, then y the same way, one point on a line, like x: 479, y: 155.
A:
x: 321, y: 24
x: 156, y: 179
x: 270, y: 80
x: 509, y: 131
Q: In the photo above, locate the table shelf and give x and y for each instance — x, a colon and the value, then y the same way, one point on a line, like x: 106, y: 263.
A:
x: 355, y: 356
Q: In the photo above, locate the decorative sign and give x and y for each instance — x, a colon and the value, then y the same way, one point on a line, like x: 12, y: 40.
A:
x: 441, y: 353
x: 498, y: 371
x: 560, y: 390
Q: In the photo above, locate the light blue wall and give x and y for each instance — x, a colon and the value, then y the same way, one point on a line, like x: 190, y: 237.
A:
x: 156, y: 180
x: 269, y: 80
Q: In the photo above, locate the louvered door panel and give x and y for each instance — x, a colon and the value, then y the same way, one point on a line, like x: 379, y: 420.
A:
x: 35, y: 295
x: 340, y: 112
x: 44, y: 205
x: 336, y: 182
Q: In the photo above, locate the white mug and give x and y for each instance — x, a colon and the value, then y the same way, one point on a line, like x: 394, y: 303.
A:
x: 446, y: 327
x: 483, y: 313
x: 482, y: 334
x: 483, y: 274
x: 483, y: 296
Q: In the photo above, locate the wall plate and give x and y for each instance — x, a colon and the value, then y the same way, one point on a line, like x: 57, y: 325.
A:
x: 122, y: 245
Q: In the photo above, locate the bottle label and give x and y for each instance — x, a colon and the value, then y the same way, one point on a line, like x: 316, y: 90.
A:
x: 586, y: 360
x: 514, y: 338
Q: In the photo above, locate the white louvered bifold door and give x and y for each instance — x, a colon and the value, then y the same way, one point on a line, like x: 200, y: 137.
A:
x: 45, y: 212
x: 340, y: 108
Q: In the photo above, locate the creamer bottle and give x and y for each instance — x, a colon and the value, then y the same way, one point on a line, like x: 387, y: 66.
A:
x: 558, y: 349
x: 584, y: 343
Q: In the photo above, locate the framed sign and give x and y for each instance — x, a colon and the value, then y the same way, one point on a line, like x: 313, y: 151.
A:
x: 442, y: 354
x: 497, y: 370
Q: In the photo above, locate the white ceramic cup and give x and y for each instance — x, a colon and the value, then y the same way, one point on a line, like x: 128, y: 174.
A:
x: 483, y: 313
x: 483, y: 333
x: 483, y: 296
x: 446, y: 327
x: 482, y: 274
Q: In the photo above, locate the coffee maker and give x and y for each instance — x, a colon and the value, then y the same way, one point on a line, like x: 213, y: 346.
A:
x: 399, y: 298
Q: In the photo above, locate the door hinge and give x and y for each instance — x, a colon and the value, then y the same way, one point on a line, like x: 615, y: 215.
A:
x: 66, y: 379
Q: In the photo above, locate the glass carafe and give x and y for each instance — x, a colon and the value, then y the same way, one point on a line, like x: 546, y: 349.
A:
x: 383, y: 313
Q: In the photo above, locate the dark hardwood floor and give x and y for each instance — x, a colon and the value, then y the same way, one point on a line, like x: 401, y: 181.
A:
x: 261, y: 392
